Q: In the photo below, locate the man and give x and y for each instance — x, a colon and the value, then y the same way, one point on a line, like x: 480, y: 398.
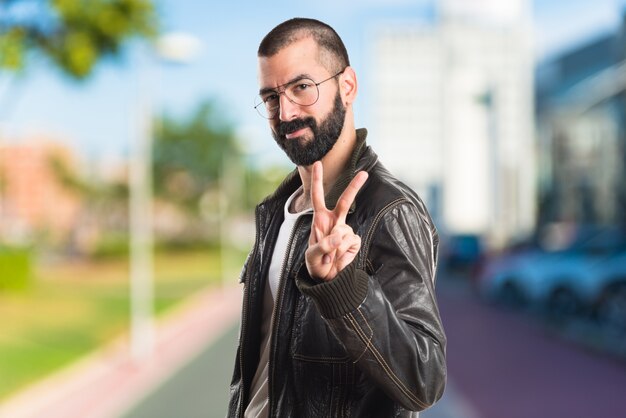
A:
x: 339, y: 313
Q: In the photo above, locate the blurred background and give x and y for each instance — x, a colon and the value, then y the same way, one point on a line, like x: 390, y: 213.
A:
x: 131, y: 159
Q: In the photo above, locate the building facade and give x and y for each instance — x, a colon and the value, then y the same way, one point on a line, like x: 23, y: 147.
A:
x: 453, y: 101
x: 34, y: 202
x: 581, y: 114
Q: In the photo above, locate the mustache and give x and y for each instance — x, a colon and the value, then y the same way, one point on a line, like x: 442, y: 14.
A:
x: 285, y: 128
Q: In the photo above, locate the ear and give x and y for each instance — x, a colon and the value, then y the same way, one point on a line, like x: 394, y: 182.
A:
x: 348, y: 86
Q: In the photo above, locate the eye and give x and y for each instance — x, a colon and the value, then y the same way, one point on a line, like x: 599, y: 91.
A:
x: 301, y: 86
x: 270, y: 99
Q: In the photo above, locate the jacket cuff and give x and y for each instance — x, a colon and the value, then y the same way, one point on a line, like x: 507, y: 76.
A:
x: 336, y: 297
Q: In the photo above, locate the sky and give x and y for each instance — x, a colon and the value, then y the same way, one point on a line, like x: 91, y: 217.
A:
x: 99, y: 117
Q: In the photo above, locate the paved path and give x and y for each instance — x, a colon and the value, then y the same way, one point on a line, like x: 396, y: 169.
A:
x: 508, y: 365
x: 108, y: 382
x: 198, y: 390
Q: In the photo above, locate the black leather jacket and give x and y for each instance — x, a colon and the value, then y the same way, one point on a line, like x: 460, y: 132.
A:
x: 370, y: 342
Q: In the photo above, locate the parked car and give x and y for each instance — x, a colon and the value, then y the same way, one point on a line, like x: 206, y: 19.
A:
x: 585, y: 273
x: 460, y: 253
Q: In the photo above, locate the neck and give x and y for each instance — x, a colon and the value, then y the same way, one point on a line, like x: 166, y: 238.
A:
x: 300, y: 203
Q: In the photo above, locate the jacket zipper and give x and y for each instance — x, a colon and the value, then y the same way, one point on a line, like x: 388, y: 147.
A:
x: 244, y: 314
x: 278, y: 305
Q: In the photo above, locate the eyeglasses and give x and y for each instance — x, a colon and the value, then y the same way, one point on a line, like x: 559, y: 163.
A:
x: 302, y: 92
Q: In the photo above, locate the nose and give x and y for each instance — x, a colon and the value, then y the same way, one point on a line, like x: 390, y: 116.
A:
x: 288, y: 110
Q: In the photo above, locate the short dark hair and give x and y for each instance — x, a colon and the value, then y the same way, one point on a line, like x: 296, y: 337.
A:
x: 295, y: 29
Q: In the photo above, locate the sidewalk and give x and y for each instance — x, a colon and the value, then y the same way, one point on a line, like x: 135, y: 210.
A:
x: 108, y: 382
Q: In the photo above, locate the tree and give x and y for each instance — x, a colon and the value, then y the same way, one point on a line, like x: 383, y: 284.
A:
x: 101, y: 225
x: 189, y: 155
x: 200, y: 168
x: 74, y: 34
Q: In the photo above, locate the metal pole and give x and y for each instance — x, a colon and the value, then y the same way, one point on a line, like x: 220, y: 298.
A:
x: 223, y: 213
x: 173, y: 47
x: 141, y: 235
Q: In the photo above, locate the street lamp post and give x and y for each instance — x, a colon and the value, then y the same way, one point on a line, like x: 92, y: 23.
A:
x: 172, y: 47
x: 141, y: 234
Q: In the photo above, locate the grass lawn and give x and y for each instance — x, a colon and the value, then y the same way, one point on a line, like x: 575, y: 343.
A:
x: 74, y: 308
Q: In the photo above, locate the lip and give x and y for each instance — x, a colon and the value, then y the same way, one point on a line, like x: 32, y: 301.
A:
x: 295, y: 134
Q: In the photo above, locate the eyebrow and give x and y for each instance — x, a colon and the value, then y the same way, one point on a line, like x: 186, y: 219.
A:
x: 266, y: 90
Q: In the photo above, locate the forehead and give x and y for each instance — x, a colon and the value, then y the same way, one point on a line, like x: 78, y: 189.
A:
x: 301, y: 57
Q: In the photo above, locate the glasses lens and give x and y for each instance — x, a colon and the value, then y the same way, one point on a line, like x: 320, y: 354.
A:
x: 303, y: 92
x: 266, y: 105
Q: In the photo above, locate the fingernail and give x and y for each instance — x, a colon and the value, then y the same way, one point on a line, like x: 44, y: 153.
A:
x: 326, y: 259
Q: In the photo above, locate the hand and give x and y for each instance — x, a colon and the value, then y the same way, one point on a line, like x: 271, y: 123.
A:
x: 332, y: 244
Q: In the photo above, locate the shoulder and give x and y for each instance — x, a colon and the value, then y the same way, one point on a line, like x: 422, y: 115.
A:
x: 392, y: 220
x: 383, y: 193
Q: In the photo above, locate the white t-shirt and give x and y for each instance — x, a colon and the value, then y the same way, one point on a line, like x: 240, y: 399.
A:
x: 280, y: 250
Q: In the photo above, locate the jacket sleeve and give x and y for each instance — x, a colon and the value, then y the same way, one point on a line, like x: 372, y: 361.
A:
x: 388, y: 320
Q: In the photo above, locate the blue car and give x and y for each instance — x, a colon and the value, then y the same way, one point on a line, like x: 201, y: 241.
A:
x: 582, y: 271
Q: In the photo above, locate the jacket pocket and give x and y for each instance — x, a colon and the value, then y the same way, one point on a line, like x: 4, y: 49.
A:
x: 324, y: 389
x: 324, y: 374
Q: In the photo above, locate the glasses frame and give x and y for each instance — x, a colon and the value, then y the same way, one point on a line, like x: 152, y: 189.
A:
x: 281, y: 90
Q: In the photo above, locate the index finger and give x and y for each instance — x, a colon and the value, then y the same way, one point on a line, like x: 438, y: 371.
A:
x: 317, y: 187
x: 348, y: 195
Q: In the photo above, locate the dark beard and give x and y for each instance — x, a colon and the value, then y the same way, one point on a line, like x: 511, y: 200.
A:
x: 305, y: 152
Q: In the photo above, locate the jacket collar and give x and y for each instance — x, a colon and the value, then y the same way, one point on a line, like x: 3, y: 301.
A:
x: 357, y: 163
